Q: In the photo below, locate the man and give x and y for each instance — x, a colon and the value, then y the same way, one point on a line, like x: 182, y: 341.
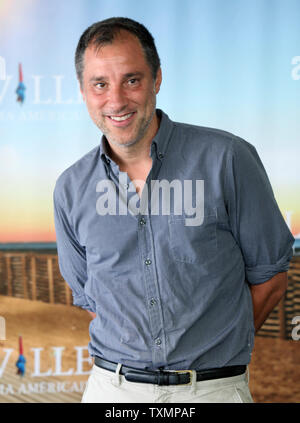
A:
x: 175, y: 298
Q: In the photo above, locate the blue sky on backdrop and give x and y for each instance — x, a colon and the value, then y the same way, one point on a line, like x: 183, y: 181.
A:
x: 226, y: 64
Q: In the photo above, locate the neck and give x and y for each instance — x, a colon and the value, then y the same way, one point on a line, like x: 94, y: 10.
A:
x: 131, y: 155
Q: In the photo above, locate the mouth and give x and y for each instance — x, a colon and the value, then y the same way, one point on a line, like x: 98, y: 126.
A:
x: 121, y: 120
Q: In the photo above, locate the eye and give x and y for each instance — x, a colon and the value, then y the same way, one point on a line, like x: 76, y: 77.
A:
x: 100, y: 85
x: 133, y: 81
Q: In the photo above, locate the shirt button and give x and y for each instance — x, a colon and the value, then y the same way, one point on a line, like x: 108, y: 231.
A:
x: 142, y: 221
x: 148, y: 261
x: 153, y: 301
x: 126, y: 186
x: 158, y: 341
x: 160, y: 155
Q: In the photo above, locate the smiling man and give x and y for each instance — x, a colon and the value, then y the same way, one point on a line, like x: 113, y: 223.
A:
x: 120, y: 88
x: 120, y: 91
x: 175, y: 307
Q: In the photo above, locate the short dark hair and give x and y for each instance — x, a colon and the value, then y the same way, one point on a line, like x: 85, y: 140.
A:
x: 104, y: 32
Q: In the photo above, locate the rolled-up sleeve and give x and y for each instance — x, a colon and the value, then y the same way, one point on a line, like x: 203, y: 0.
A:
x: 71, y: 255
x: 256, y: 221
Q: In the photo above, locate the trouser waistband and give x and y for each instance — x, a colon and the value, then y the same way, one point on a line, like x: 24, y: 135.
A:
x: 173, y: 377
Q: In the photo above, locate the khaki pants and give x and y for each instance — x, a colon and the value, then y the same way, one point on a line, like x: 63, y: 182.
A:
x: 104, y: 386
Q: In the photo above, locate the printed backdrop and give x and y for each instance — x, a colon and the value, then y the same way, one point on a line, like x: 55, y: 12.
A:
x: 233, y: 65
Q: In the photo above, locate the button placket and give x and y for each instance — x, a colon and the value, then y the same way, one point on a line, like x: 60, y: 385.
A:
x: 151, y: 289
x: 158, y: 341
x: 153, y: 301
x: 149, y: 269
x: 142, y: 221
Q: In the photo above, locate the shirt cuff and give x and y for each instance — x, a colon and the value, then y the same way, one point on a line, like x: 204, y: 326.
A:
x: 82, y: 301
x: 262, y: 273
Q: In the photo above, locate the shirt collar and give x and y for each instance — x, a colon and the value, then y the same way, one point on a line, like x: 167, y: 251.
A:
x: 159, y: 143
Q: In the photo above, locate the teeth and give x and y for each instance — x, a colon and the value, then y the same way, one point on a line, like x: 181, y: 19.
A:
x: 120, y: 118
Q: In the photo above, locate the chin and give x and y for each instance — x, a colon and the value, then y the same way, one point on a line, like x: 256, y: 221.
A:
x: 123, y: 143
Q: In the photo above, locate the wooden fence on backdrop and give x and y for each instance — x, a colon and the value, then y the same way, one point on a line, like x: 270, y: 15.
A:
x: 33, y: 276
x: 36, y: 276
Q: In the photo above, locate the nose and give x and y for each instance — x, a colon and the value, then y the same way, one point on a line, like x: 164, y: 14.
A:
x: 117, y: 100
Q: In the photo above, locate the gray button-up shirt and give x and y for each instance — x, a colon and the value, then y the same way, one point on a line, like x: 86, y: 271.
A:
x: 166, y: 293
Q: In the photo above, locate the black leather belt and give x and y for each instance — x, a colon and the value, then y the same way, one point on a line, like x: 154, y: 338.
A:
x: 174, y: 377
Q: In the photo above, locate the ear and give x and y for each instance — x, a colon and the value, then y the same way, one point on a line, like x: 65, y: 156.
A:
x: 158, y: 81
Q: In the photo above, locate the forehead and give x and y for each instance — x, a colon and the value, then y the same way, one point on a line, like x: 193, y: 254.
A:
x: 125, y: 49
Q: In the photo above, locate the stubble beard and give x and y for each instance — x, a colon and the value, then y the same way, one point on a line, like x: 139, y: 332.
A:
x: 142, y: 126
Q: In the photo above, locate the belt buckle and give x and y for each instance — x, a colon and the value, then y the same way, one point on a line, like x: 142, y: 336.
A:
x: 185, y: 371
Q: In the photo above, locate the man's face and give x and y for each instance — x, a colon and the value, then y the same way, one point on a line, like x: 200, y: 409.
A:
x: 119, y: 90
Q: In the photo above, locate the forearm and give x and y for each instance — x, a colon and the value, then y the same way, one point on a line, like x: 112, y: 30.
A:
x: 266, y: 296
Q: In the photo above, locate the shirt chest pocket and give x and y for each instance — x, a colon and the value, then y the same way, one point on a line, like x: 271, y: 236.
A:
x: 193, y: 244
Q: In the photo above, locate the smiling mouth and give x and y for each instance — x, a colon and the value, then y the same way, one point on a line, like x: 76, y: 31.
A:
x: 121, y: 118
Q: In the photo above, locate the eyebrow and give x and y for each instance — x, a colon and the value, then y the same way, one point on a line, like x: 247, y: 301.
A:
x: 125, y: 76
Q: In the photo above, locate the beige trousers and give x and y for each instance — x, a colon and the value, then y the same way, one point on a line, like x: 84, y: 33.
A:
x: 104, y: 386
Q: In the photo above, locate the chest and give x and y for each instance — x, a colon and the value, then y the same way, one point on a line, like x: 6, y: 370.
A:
x: 138, y: 175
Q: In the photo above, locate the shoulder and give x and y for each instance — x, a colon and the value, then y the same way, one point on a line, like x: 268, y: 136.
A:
x: 72, y: 177
x: 212, y: 138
